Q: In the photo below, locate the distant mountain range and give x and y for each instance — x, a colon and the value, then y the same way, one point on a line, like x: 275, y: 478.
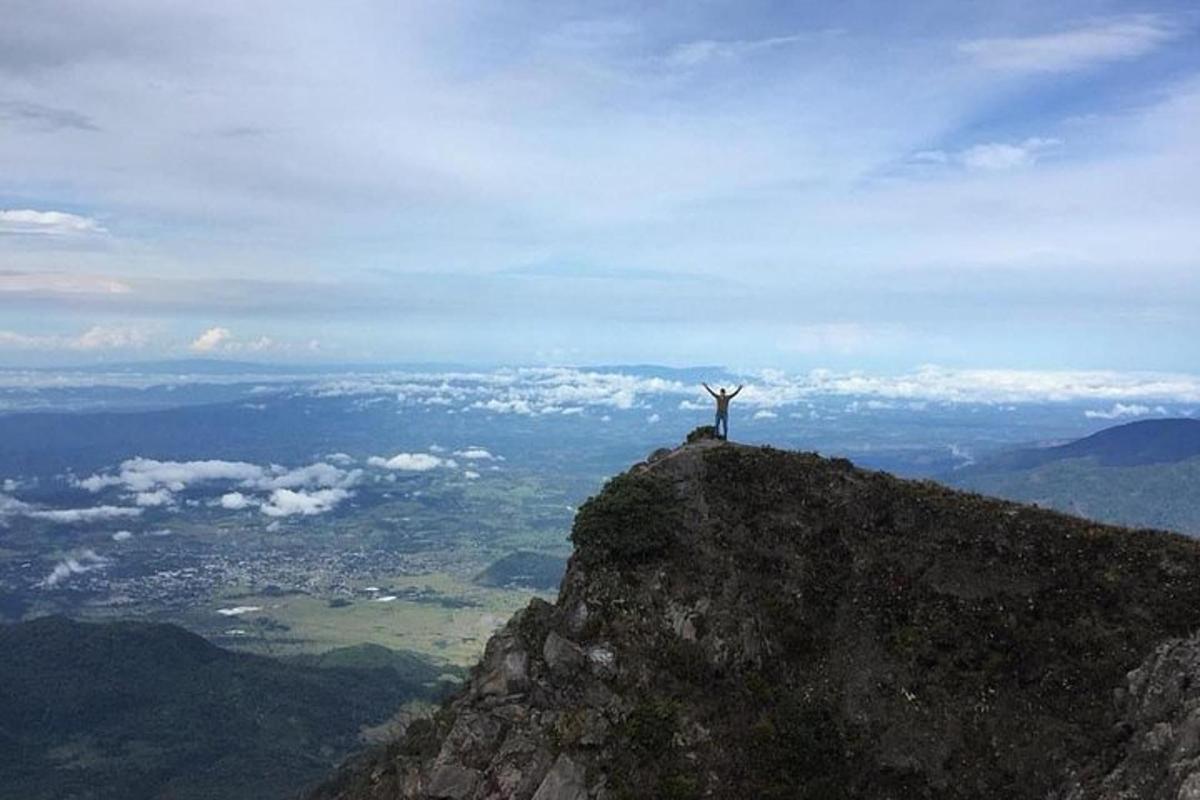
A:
x: 133, y: 710
x: 1144, y: 473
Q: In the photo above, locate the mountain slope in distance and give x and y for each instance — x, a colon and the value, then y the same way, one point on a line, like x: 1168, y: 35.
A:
x: 1143, y: 473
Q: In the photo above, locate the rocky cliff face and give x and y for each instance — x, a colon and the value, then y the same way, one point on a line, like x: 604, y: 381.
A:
x: 745, y: 622
x: 1159, y: 709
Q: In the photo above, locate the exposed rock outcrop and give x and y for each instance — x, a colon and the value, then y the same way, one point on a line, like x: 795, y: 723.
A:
x: 1159, y: 709
x: 743, y: 622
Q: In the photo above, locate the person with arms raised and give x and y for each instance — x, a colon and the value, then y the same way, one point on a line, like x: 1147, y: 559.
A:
x: 722, y: 419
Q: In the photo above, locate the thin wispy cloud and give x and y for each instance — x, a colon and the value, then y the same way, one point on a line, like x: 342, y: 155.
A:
x: 60, y: 283
x: 79, y: 563
x: 11, y: 506
x: 998, y: 156
x: 72, y: 516
x: 98, y: 337
x: 990, y: 156
x: 29, y: 222
x: 44, y: 118
x: 702, y: 51
x: 1074, y: 49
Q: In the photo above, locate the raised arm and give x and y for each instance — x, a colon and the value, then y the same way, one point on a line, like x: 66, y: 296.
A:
x: 708, y: 389
x: 735, y: 392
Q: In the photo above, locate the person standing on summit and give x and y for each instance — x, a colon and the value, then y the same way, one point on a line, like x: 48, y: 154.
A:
x: 722, y: 409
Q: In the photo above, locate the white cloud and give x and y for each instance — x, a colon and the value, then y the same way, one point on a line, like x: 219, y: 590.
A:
x: 69, y: 516
x: 314, y: 475
x: 211, y: 340
x: 84, y: 561
x: 148, y: 475
x: 27, y: 222
x: 1125, y: 410
x: 1080, y: 48
x: 471, y: 474
x: 411, y: 462
x: 964, y: 456
x: 234, y: 501
x: 222, y: 340
x: 765, y: 414
x: 504, y: 406
x: 10, y: 506
x: 286, y: 503
x: 122, y: 536
x: 237, y: 611
x: 475, y: 454
x: 154, y: 499
x: 932, y: 383
x: 538, y: 388
x: 999, y: 156
x: 653, y: 418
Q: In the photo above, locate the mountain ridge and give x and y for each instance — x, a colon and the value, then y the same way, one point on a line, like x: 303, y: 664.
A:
x: 740, y: 621
x: 1150, y: 441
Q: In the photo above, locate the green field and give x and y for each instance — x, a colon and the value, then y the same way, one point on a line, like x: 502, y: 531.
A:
x: 453, y: 625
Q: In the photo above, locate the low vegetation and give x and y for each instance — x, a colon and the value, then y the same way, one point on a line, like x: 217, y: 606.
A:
x: 634, y: 518
x: 131, y: 710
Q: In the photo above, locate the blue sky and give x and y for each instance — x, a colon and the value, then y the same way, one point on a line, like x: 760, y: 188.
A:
x: 875, y: 185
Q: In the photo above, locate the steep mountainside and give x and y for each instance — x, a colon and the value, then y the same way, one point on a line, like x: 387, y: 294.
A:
x: 1143, y: 473
x: 132, y: 710
x: 744, y: 622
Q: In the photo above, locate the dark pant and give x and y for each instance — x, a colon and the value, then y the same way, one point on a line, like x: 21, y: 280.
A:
x: 722, y: 419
